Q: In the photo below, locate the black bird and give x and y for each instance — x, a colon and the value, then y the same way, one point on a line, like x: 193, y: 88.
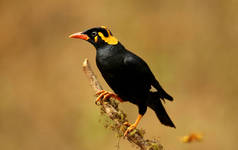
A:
x: 127, y: 74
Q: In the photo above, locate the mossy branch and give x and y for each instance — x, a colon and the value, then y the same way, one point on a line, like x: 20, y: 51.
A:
x: 110, y: 109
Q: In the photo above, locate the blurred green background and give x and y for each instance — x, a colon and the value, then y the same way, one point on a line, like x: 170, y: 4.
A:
x: 46, y: 101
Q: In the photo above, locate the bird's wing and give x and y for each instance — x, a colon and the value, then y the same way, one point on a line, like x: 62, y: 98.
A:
x: 139, y: 67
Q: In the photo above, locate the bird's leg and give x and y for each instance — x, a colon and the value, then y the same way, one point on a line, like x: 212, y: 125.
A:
x: 103, y: 95
x: 132, y: 126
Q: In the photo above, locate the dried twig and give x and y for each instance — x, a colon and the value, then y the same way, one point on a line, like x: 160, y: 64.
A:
x: 118, y: 117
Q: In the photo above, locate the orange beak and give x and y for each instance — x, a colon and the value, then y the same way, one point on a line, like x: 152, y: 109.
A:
x: 79, y: 35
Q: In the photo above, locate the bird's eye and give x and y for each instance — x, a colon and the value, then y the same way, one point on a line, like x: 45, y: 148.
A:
x: 94, y: 33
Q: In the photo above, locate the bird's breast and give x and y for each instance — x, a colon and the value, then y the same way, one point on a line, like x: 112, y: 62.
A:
x: 109, y: 61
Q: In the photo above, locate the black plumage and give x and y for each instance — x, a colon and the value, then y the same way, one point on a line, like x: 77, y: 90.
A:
x: 126, y: 73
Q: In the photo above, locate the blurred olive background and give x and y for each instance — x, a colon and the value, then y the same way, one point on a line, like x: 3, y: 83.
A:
x: 46, y: 101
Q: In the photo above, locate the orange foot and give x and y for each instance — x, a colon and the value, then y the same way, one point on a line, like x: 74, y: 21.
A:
x: 133, y: 126
x: 103, y: 95
x: 130, y: 127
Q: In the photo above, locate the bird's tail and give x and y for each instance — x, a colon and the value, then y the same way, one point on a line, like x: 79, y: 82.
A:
x: 155, y: 104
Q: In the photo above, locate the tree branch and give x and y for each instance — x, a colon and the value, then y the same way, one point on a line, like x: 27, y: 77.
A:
x: 118, y: 117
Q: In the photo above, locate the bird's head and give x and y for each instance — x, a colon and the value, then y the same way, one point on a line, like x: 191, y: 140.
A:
x: 99, y: 36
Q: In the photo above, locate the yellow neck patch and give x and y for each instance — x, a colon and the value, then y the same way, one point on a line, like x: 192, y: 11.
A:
x: 111, y: 40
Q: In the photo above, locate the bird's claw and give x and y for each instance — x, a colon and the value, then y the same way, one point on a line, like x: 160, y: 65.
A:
x: 127, y: 124
x: 129, y: 129
x: 103, y: 95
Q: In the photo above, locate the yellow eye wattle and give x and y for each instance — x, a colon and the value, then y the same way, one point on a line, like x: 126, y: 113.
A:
x: 111, y: 40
